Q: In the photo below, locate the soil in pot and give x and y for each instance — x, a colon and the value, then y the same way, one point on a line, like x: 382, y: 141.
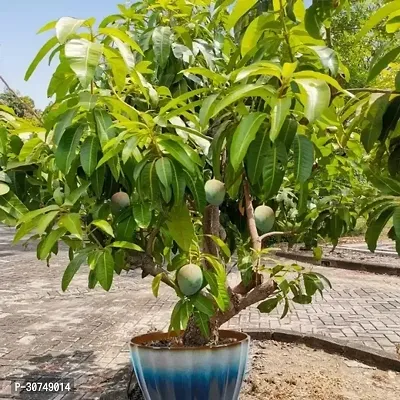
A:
x: 285, y: 371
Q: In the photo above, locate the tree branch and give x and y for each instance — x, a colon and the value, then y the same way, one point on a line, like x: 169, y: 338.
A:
x: 27, y: 106
x: 241, y: 288
x: 259, y: 293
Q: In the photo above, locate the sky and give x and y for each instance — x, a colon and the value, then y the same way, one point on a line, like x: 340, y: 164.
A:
x: 19, y: 43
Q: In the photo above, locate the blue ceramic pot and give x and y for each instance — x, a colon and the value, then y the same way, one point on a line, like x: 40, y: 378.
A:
x: 190, y: 373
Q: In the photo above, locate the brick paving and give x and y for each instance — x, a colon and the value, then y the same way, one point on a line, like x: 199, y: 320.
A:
x: 83, y: 334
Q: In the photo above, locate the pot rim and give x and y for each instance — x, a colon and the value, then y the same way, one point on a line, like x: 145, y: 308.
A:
x: 141, y: 340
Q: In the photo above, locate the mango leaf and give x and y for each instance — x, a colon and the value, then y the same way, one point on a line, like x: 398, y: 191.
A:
x: 288, y: 132
x: 43, y: 222
x: 88, y: 154
x: 372, y: 125
x: 142, y: 214
x: 315, y: 96
x: 213, y: 76
x: 221, y: 244
x: 33, y: 214
x: 203, y: 323
x: 105, y: 269
x: 274, y: 169
x: 203, y: 304
x: 303, y: 158
x: 104, y: 226
x: 4, y: 188
x: 375, y: 228
x: 164, y: 171
x: 253, y: 33
x: 396, y: 222
x: 269, y: 305
x: 178, y: 183
x: 104, y: 128
x: 178, y: 153
x: 175, y: 324
x: 181, y: 227
x: 25, y: 228
x: 126, y: 245
x: 12, y: 205
x: 118, y: 66
x: 243, y: 136
x: 280, y: 110
x: 123, y: 36
x: 40, y: 55
x: 67, y: 26
x: 241, y: 8
x: 385, y: 184
x: 66, y: 150
x: 72, y: 222
x: 76, y: 194
x: 240, y: 92
x: 377, y: 17
x: 256, y: 155
x: 162, y: 41
x: 382, y: 62
x: 207, y: 109
x: 196, y: 186
x: 125, y: 229
x: 64, y: 122
x: 46, y: 27
x: 328, y: 58
x: 302, y: 299
x: 83, y: 57
x: 71, y: 270
x: 50, y: 240
x: 155, y: 285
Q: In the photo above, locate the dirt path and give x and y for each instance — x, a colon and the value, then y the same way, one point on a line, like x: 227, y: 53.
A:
x: 282, y: 371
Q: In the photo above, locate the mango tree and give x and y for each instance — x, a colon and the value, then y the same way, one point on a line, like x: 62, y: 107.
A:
x: 180, y: 134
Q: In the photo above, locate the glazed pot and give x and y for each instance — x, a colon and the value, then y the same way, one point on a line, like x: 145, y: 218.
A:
x: 190, y: 373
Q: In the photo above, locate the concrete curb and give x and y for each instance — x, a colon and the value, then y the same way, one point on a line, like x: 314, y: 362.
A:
x: 370, y: 356
x: 343, y: 264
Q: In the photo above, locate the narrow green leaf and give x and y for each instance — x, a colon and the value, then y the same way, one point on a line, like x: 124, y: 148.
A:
x: 328, y: 58
x: 104, y: 226
x: 64, y: 122
x: 162, y: 41
x: 375, y: 228
x: 196, y: 186
x: 155, y: 285
x: 207, y: 109
x: 181, y: 227
x: 377, y: 17
x: 164, y: 171
x: 178, y: 153
x: 51, y: 239
x: 110, y: 154
x: 241, y: 8
x: 396, y: 222
x: 256, y: 155
x: 123, y: 36
x: 203, y: 304
x: 269, y: 305
x: 274, y: 170
x: 288, y: 132
x: 33, y: 214
x: 43, y: 222
x: 83, y: 57
x: 253, y: 32
x: 203, y: 323
x: 182, y: 99
x: 125, y: 229
x: 72, y: 222
x: 88, y: 154
x: 280, y: 110
x: 76, y: 194
x: 71, y: 270
x: 373, y: 123
x: 303, y: 158
x: 105, y: 269
x: 67, y: 148
x: 126, y: 245
x: 222, y: 245
x: 175, y: 324
x: 129, y: 148
x: 104, y: 128
x: 178, y: 183
x: 302, y: 299
x: 25, y: 228
x: 50, y: 25
x: 243, y: 136
x: 40, y: 55
x: 239, y: 92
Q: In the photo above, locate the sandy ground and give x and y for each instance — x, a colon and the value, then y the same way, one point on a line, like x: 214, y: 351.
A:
x: 283, y: 371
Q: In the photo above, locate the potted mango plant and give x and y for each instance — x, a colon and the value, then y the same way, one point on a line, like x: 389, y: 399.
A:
x: 173, y: 127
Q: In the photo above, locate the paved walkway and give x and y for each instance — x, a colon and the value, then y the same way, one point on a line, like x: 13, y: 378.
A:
x: 84, y: 334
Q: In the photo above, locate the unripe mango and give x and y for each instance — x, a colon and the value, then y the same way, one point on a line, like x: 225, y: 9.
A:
x: 190, y: 279
x: 215, y: 192
x: 119, y: 201
x: 265, y: 218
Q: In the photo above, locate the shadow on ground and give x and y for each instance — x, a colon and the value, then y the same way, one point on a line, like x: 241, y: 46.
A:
x: 89, y: 380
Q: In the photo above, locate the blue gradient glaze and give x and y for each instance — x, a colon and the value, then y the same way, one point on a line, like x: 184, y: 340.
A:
x: 208, y: 373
